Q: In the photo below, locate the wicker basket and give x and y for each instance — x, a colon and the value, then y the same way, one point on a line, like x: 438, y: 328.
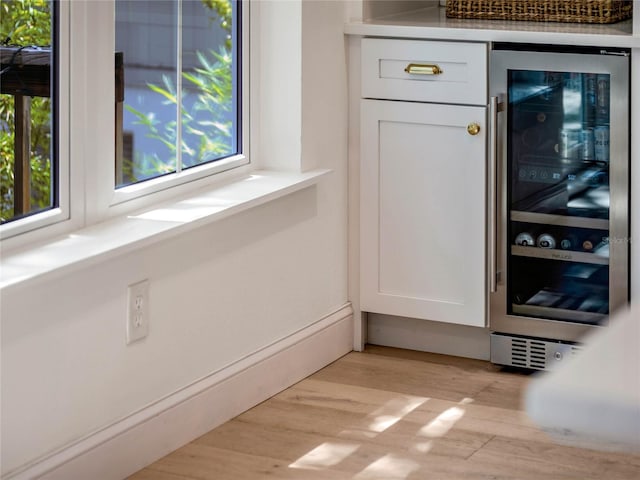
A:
x: 573, y: 11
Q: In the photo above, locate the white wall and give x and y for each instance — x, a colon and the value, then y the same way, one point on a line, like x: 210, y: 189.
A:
x: 217, y: 294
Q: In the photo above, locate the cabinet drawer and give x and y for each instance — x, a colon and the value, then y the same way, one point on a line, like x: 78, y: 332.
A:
x: 447, y: 72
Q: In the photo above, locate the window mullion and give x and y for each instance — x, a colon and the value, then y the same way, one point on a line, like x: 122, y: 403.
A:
x: 97, y: 108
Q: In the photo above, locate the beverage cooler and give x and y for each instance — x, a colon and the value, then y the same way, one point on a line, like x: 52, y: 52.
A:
x: 558, y: 199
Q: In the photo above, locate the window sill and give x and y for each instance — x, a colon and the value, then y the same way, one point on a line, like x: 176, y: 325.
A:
x: 114, y: 237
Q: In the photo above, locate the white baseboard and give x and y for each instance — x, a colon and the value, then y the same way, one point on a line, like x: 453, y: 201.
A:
x: 125, y: 447
x: 426, y: 336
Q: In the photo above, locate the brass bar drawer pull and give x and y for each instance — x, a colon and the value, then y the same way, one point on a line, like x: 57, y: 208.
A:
x: 423, y: 69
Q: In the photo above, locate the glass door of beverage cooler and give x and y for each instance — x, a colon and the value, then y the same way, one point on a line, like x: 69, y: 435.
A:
x: 563, y: 167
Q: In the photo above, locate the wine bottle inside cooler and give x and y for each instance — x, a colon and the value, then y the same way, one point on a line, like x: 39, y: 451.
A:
x: 546, y: 240
x: 589, y: 92
x: 602, y: 99
x: 525, y: 239
x: 593, y: 241
x: 569, y: 242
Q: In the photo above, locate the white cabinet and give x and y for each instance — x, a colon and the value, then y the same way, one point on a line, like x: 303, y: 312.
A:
x: 423, y: 204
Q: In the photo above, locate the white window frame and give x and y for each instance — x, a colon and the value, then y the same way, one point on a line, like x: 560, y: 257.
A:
x: 86, y: 130
x: 60, y: 214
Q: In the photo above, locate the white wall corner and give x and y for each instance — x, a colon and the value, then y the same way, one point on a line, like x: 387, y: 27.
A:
x: 276, y: 68
x: 130, y: 444
x: 324, y: 81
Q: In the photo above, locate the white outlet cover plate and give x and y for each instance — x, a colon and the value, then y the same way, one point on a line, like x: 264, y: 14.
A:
x: 137, y: 311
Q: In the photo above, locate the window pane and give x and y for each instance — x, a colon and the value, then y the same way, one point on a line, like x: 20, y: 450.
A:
x: 146, y: 34
x: 207, y: 81
x: 26, y: 152
x: 176, y: 54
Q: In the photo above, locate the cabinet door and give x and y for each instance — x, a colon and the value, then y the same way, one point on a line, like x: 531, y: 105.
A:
x: 423, y: 211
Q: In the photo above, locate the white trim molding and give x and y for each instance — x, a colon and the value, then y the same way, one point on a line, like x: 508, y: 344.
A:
x: 128, y: 445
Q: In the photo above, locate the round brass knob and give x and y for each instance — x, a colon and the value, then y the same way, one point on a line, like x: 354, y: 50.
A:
x: 473, y: 128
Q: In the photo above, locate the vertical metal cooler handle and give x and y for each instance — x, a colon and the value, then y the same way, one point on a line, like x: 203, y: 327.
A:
x: 492, y: 192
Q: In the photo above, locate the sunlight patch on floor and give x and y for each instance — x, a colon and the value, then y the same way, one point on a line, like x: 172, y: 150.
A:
x: 393, y: 411
x: 422, y: 447
x: 439, y: 426
x: 326, y: 455
x: 389, y: 467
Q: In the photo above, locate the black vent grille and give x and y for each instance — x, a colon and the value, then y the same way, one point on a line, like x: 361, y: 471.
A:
x: 519, y: 352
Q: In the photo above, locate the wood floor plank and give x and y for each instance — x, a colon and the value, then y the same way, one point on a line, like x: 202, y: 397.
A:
x: 449, y: 382
x: 202, y: 462
x: 548, y: 459
x: 149, y: 474
x: 469, y: 364
x: 402, y: 436
x: 360, y: 455
x: 391, y: 414
x: 482, y: 419
x: 365, y: 400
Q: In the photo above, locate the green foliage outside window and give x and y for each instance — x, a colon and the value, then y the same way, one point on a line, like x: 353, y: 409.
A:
x: 208, y: 121
x: 25, y: 23
x: 214, y: 90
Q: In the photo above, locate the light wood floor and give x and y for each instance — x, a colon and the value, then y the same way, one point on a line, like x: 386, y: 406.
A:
x: 391, y: 414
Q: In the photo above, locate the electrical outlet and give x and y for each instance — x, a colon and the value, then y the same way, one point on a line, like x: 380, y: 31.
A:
x: 138, y: 311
